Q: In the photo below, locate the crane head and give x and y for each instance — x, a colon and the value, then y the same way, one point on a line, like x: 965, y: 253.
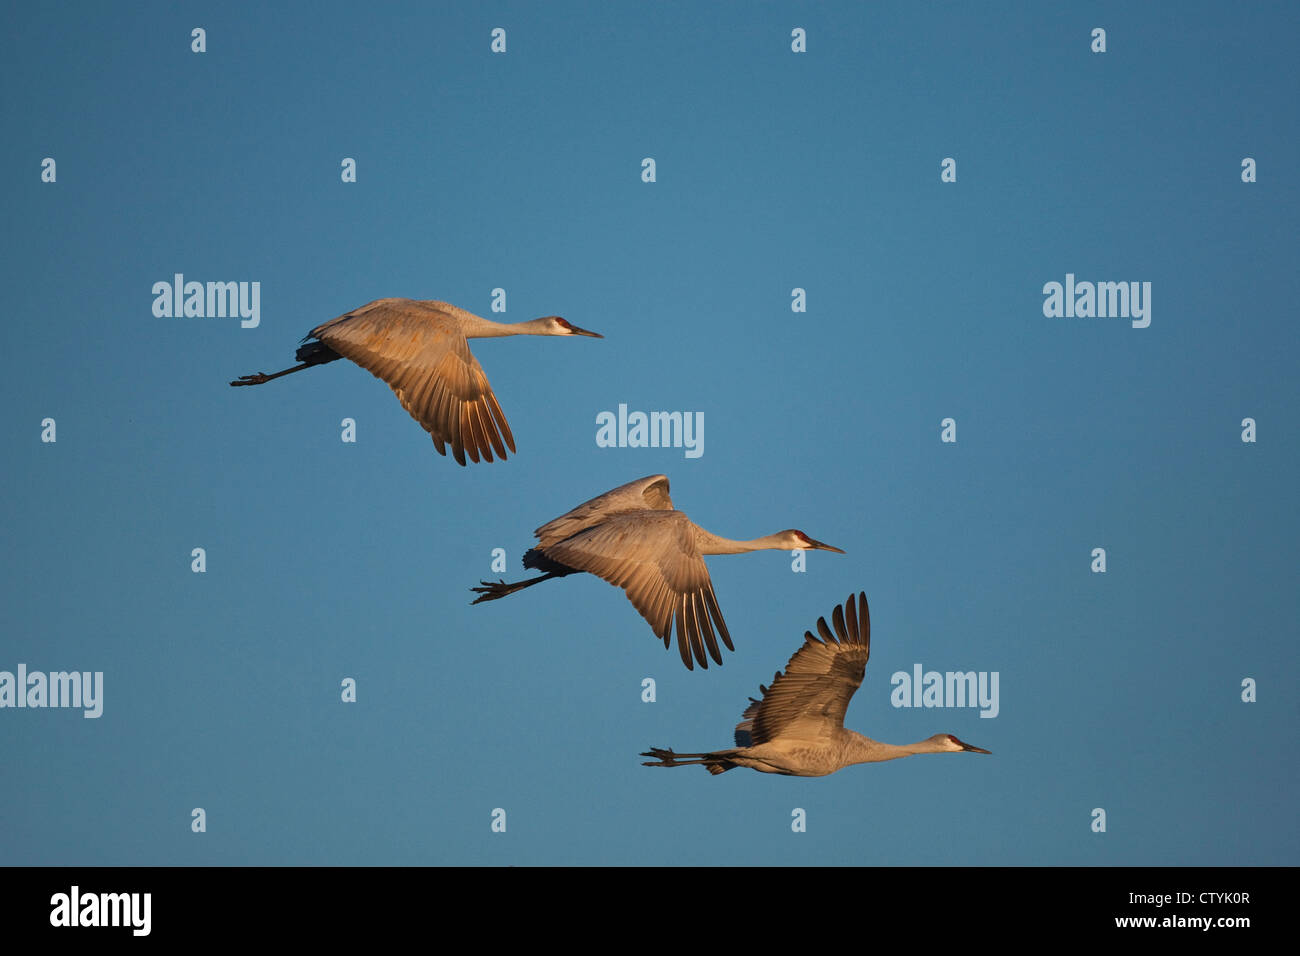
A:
x: 795, y: 538
x: 560, y: 326
x: 951, y: 743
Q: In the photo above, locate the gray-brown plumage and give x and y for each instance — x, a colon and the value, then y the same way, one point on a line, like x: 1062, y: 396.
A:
x: 419, y: 348
x: 797, y: 726
x: 632, y: 538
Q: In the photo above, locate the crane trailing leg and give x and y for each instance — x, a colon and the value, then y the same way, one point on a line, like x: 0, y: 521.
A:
x: 534, y: 560
x: 490, y: 591
x: 313, y: 353
x: 715, y: 763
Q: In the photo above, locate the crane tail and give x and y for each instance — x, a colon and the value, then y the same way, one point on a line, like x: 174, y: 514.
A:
x: 316, y: 353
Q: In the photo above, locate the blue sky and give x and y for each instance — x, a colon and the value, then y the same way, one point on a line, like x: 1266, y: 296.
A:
x: 775, y: 171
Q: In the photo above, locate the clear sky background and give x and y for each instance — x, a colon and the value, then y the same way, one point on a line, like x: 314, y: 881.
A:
x: 775, y: 170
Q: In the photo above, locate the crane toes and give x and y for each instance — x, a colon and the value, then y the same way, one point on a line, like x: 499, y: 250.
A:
x: 259, y: 379
x: 490, y: 591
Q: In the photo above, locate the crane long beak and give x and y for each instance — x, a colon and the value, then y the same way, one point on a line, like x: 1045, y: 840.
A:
x: 578, y: 331
x: 822, y: 546
x: 975, y: 750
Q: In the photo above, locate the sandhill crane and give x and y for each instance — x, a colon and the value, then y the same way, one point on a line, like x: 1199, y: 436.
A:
x: 418, y: 347
x: 632, y: 538
x: 797, y: 728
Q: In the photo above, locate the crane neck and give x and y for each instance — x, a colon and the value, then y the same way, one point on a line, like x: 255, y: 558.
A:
x: 476, y: 327
x: 865, y: 750
x: 710, y: 543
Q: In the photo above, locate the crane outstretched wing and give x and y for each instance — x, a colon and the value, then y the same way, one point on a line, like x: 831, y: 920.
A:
x: 809, y: 699
x: 652, y: 555
x: 644, y: 494
x: 420, y: 352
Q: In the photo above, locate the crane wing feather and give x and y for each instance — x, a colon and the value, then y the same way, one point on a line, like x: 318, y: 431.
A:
x: 653, y: 557
x: 420, y: 352
x: 644, y: 494
x: 808, y: 700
